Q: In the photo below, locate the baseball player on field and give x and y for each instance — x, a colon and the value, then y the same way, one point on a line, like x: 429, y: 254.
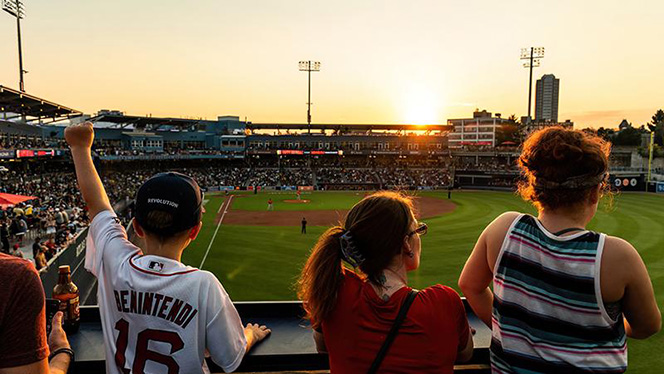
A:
x: 158, y: 315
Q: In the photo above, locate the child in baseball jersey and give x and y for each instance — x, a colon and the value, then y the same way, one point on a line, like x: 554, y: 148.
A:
x: 158, y: 315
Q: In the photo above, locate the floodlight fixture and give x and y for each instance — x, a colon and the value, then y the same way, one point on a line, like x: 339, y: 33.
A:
x: 309, y: 66
x: 16, y: 9
x: 532, y: 57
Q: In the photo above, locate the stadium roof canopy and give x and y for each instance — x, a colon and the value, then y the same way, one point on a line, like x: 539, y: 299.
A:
x: 20, y: 104
x: 147, y: 123
x: 347, y: 127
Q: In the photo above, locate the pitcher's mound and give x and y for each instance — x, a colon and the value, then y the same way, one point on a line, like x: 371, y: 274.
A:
x: 295, y: 201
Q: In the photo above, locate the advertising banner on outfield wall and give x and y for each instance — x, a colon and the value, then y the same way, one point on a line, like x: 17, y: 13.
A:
x: 5, y: 153
x: 25, y: 153
x: 660, y: 187
x: 220, y: 188
x: 627, y: 183
x: 305, y: 188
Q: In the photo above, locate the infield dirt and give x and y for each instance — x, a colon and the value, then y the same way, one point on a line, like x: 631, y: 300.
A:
x: 426, y: 206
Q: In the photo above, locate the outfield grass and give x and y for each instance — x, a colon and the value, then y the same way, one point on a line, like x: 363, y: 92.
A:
x: 262, y: 263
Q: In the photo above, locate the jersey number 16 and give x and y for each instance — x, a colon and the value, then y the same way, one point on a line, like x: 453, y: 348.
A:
x: 142, y: 353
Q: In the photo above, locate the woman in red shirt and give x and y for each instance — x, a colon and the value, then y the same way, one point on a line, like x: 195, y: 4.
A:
x: 352, y: 311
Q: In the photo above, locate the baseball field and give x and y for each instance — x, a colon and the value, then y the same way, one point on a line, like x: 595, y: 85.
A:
x: 257, y: 253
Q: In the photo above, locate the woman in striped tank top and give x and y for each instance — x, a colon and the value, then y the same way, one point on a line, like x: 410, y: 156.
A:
x: 564, y: 298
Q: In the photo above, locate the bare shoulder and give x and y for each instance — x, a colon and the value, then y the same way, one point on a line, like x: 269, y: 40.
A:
x: 494, y: 234
x: 620, y: 260
x: 619, y: 251
x: 501, y: 224
x: 507, y: 218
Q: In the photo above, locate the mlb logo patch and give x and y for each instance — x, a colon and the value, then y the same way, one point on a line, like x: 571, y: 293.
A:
x: 156, y: 266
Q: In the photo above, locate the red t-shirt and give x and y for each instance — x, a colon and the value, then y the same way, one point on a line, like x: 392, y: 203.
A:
x: 434, y: 330
x: 22, y: 313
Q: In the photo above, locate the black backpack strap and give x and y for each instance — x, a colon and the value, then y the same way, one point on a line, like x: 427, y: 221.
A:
x: 393, y: 331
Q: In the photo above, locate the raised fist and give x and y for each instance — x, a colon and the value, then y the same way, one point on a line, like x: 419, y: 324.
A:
x: 80, y: 136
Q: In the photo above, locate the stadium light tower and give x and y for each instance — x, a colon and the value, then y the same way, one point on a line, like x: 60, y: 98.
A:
x: 533, y: 55
x: 309, y: 66
x: 15, y: 8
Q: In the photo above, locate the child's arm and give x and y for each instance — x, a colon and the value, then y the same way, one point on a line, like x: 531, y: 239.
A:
x: 80, y: 137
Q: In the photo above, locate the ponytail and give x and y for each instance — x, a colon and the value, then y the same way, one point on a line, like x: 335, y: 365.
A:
x: 321, y: 277
x: 372, y: 235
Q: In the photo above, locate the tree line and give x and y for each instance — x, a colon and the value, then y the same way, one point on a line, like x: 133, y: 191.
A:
x: 626, y: 134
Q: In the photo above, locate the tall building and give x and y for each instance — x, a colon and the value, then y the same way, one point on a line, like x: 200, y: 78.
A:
x: 477, y: 131
x: 546, y: 98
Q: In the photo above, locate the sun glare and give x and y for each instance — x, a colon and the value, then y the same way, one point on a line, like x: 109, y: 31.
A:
x: 420, y: 106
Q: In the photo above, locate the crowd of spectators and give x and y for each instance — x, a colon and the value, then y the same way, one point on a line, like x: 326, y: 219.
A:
x: 415, y: 177
x: 264, y: 177
x: 121, y: 184
x: 49, y: 230
x: 297, y: 177
x: 54, y: 214
x: 116, y: 151
x: 395, y: 177
x: 30, y: 143
x: 493, y: 165
x: 346, y: 176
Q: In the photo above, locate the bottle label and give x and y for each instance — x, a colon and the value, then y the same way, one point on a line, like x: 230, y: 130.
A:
x: 70, y: 310
x: 73, y: 310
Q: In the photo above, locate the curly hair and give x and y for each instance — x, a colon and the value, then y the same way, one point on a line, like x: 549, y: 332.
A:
x: 561, y: 167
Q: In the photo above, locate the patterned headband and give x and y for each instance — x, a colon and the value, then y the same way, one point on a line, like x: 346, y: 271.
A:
x: 573, y: 183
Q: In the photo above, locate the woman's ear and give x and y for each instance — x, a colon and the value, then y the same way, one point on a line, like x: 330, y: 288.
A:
x: 405, y: 248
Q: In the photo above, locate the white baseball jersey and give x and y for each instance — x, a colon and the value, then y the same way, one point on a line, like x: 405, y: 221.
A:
x: 158, y: 315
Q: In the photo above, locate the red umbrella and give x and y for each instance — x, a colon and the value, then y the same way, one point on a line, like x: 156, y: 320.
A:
x: 7, y: 199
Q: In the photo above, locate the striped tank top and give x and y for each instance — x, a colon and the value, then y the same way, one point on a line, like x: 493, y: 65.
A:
x: 548, y: 314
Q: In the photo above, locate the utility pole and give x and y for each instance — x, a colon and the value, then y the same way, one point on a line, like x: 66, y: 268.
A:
x: 15, y: 8
x: 533, y: 56
x: 309, y: 66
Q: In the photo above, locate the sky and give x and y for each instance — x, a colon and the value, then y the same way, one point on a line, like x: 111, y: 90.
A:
x: 383, y: 61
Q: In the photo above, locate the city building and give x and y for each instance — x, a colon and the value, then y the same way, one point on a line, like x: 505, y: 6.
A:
x: 546, y: 98
x: 477, y: 131
x: 534, y: 126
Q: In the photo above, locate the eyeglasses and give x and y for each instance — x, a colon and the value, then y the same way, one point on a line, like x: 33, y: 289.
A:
x: 420, y: 230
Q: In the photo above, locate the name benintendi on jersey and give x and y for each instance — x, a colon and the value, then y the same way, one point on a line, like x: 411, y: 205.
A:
x: 155, y: 304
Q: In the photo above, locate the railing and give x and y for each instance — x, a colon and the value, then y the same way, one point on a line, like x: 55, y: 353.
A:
x: 290, y: 347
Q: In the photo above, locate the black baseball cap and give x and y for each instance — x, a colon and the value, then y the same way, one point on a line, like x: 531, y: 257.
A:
x: 173, y: 193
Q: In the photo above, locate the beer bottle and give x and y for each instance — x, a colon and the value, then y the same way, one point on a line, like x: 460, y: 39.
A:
x: 67, y: 293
